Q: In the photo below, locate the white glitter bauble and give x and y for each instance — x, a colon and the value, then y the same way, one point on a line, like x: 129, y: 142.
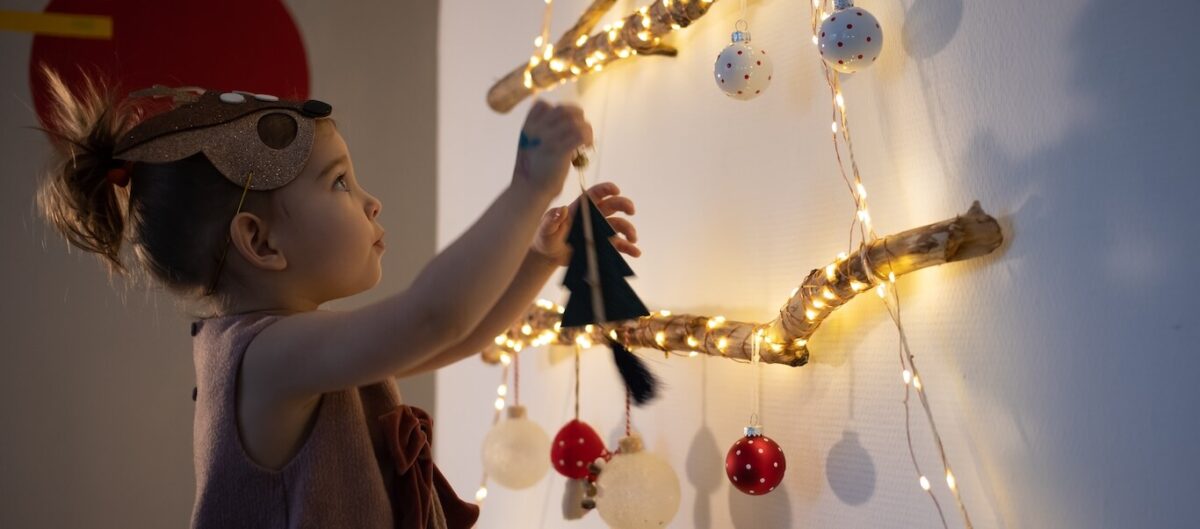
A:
x: 514, y: 451
x: 636, y: 489
x: 850, y: 39
x: 741, y: 71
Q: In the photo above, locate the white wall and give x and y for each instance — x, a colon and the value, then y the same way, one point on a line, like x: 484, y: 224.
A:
x: 1061, y: 369
x: 95, y: 384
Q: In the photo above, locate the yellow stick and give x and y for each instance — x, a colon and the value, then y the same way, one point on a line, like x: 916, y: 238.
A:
x: 58, y: 24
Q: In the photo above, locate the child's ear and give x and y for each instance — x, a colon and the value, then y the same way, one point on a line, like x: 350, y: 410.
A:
x: 249, y: 234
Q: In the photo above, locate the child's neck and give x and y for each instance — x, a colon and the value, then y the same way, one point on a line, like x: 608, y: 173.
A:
x: 246, y: 302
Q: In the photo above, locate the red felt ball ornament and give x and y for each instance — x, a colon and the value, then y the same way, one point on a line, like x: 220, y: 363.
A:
x: 575, y: 447
x: 755, y: 463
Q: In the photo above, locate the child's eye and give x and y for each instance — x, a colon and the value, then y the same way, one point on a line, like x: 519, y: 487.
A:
x: 340, y: 183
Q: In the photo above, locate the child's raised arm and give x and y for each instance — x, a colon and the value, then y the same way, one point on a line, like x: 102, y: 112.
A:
x: 321, y: 351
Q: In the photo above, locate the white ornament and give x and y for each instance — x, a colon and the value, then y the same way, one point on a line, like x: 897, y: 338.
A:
x: 232, y: 97
x: 850, y: 39
x: 637, y: 489
x: 514, y: 451
x: 741, y: 71
x: 265, y: 97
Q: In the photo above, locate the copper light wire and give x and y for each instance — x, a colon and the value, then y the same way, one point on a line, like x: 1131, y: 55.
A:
x: 891, y: 295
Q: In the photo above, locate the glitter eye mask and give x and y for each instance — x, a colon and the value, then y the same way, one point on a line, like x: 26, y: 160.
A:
x: 231, y: 129
x: 256, y: 141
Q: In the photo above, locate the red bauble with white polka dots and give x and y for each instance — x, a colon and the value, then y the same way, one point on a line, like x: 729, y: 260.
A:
x: 575, y: 447
x: 755, y: 464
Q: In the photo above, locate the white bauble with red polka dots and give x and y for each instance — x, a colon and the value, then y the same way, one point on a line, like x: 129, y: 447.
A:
x: 741, y: 71
x: 514, y: 451
x: 850, y: 39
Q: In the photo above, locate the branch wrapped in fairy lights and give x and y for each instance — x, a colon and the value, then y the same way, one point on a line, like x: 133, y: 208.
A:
x: 579, y: 51
x: 785, y: 338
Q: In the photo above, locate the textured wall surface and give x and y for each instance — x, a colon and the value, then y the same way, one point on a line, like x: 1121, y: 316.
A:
x: 1061, y: 369
x: 95, y: 386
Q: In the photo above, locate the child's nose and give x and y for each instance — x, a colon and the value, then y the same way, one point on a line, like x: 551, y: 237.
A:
x: 374, y: 206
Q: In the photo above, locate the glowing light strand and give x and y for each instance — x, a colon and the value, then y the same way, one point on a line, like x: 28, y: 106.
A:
x: 887, y: 290
x: 544, y: 49
x: 501, y: 390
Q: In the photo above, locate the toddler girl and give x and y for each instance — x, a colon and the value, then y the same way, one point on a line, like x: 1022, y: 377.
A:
x: 249, y: 207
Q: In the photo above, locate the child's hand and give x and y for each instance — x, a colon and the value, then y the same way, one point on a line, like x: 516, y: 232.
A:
x: 549, y: 139
x: 551, y: 239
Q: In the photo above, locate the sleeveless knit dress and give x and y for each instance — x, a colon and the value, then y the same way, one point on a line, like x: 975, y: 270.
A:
x: 366, y: 462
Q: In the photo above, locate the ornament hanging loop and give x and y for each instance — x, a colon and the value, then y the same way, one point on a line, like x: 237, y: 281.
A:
x: 839, y: 5
x: 741, y: 32
x: 756, y: 336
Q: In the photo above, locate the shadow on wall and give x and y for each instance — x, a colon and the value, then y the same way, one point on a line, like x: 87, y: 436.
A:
x: 850, y: 470
x: 707, y: 478
x: 746, y: 510
x: 1097, y: 265
x: 930, y: 25
x: 702, y: 474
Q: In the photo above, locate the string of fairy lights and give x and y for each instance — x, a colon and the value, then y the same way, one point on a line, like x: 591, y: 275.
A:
x: 500, y: 404
x: 544, y: 51
x: 537, y: 331
x: 641, y: 30
x: 887, y: 291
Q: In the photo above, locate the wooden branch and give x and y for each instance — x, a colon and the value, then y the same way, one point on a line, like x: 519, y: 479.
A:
x: 784, y: 339
x: 578, y: 51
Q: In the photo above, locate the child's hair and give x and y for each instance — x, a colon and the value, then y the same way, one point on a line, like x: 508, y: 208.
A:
x: 177, y: 214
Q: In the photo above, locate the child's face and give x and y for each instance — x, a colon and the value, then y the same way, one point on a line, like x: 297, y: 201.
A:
x: 328, y: 230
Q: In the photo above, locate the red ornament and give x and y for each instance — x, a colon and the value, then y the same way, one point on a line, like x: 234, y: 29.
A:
x: 575, y: 447
x: 755, y: 464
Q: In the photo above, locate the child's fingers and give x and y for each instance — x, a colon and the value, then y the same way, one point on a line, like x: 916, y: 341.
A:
x: 536, y: 113
x: 625, y: 246
x: 614, y: 204
x: 564, y: 137
x: 553, y: 221
x: 568, y: 116
x: 586, y: 129
x: 565, y: 141
x: 575, y: 134
x: 549, y: 123
x: 568, y: 124
x: 602, y: 190
x: 597, y: 193
x: 624, y: 227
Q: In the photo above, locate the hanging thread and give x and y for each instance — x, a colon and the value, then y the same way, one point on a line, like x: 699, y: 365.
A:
x: 577, y: 381
x: 756, y: 366
x: 628, y: 415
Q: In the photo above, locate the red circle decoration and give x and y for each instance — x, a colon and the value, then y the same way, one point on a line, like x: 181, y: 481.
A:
x: 251, y: 45
x: 575, y: 447
x: 755, y: 465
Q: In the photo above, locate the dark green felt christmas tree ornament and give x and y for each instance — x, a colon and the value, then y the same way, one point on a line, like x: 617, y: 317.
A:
x: 599, y: 293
